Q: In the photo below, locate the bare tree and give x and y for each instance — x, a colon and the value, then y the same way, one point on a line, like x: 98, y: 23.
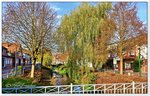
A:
x: 128, y: 26
x: 30, y: 24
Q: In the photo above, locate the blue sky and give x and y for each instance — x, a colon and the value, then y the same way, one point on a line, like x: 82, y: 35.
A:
x: 66, y: 7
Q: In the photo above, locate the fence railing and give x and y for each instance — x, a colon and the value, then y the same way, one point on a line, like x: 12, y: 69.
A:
x: 6, y: 75
x: 11, y: 73
x: 115, y: 88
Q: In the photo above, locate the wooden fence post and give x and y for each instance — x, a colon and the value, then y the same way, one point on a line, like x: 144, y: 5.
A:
x: 58, y: 89
x: 133, y: 87
x: 71, y: 88
x: 94, y: 88
x: 83, y: 89
x: 45, y: 89
x: 124, y: 88
x: 114, y: 88
x: 142, y: 88
x: 104, y: 88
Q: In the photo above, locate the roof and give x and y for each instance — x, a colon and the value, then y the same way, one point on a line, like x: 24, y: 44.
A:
x: 138, y: 40
x: 26, y: 51
x: 4, y: 48
x: 61, y: 57
x: 12, y: 47
x: 132, y: 42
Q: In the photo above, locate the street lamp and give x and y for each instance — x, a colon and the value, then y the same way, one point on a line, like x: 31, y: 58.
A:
x: 140, y: 71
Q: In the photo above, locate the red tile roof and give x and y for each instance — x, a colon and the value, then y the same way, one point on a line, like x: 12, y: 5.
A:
x: 12, y: 47
x: 61, y: 57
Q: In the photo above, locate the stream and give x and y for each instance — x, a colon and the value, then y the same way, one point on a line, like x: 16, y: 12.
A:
x: 58, y: 78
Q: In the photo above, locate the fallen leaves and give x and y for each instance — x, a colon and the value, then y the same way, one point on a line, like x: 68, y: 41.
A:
x: 108, y: 77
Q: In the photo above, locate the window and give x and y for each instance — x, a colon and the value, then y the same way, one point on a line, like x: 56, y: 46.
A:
x: 10, y: 61
x: 132, y: 53
x: 21, y: 60
x: 17, y: 61
x: 127, y: 65
x: 115, y: 65
x: 7, y: 62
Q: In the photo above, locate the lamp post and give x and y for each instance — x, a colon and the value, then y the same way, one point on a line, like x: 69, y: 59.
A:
x: 140, y: 71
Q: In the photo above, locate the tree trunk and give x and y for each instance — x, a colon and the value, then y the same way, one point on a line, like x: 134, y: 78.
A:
x: 121, y: 64
x: 121, y: 55
x: 33, y: 68
x: 42, y: 56
x: 94, y: 66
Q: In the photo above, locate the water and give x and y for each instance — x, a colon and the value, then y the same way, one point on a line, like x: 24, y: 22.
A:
x: 58, y: 78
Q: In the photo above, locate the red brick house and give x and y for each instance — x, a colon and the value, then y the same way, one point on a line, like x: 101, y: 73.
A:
x: 128, y: 59
x: 12, y: 55
x: 7, y: 58
x: 130, y: 54
x: 14, y: 49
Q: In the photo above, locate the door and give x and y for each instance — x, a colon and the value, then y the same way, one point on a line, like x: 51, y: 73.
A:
x: 19, y: 62
x: 3, y: 62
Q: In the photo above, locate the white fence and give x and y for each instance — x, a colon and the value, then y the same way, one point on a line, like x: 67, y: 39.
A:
x: 116, y: 88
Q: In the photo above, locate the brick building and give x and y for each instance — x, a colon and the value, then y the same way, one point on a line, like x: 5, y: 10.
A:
x: 130, y: 55
x: 13, y: 55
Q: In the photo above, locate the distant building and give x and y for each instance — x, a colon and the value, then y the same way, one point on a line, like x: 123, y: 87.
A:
x: 59, y: 58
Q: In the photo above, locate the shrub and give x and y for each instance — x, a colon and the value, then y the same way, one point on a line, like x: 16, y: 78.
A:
x: 62, y: 72
x: 19, y: 69
x: 92, y: 78
x: 17, y: 82
x: 89, y: 79
x: 136, y: 66
x: 66, y: 80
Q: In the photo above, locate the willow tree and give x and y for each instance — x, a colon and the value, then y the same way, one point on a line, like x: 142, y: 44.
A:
x: 30, y: 24
x: 80, y: 32
x: 128, y: 26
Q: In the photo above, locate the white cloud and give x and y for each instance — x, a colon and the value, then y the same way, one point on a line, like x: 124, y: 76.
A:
x: 59, y: 16
x: 56, y: 8
x: 145, y: 22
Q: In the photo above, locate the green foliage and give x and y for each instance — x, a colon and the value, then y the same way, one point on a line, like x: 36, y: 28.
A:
x: 136, y: 65
x: 17, y: 82
x: 62, y: 71
x: 88, y: 87
x: 88, y: 78
x: 72, y: 69
x: 79, y: 32
x: 19, y: 69
x: 47, y: 60
x: 92, y: 78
